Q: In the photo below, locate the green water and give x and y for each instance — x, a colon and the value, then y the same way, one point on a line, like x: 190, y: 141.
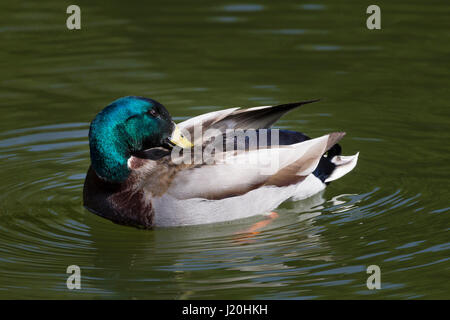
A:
x: 388, y: 89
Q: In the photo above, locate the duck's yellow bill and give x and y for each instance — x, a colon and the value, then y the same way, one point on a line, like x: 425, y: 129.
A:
x: 179, y: 140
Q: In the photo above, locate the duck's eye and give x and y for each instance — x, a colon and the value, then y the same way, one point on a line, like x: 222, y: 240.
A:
x: 152, y: 112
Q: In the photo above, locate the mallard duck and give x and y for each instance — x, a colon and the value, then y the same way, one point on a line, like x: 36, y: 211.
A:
x: 136, y: 178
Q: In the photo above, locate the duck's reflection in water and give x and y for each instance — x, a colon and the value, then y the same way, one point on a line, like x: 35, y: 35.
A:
x: 182, y: 261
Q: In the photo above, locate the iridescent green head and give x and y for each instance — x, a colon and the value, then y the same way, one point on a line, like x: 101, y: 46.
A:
x: 125, y: 127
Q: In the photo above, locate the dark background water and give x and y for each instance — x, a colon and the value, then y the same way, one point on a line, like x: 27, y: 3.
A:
x: 388, y: 89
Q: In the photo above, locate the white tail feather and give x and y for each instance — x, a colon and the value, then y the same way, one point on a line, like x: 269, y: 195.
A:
x: 344, y: 164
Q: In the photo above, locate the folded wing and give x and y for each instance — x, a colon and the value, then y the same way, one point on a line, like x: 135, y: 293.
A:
x: 236, y: 173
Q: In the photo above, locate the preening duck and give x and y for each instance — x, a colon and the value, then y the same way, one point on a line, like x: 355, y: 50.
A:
x: 145, y: 171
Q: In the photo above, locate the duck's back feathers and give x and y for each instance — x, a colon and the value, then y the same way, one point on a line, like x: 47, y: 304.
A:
x: 257, y: 117
x: 236, y: 118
